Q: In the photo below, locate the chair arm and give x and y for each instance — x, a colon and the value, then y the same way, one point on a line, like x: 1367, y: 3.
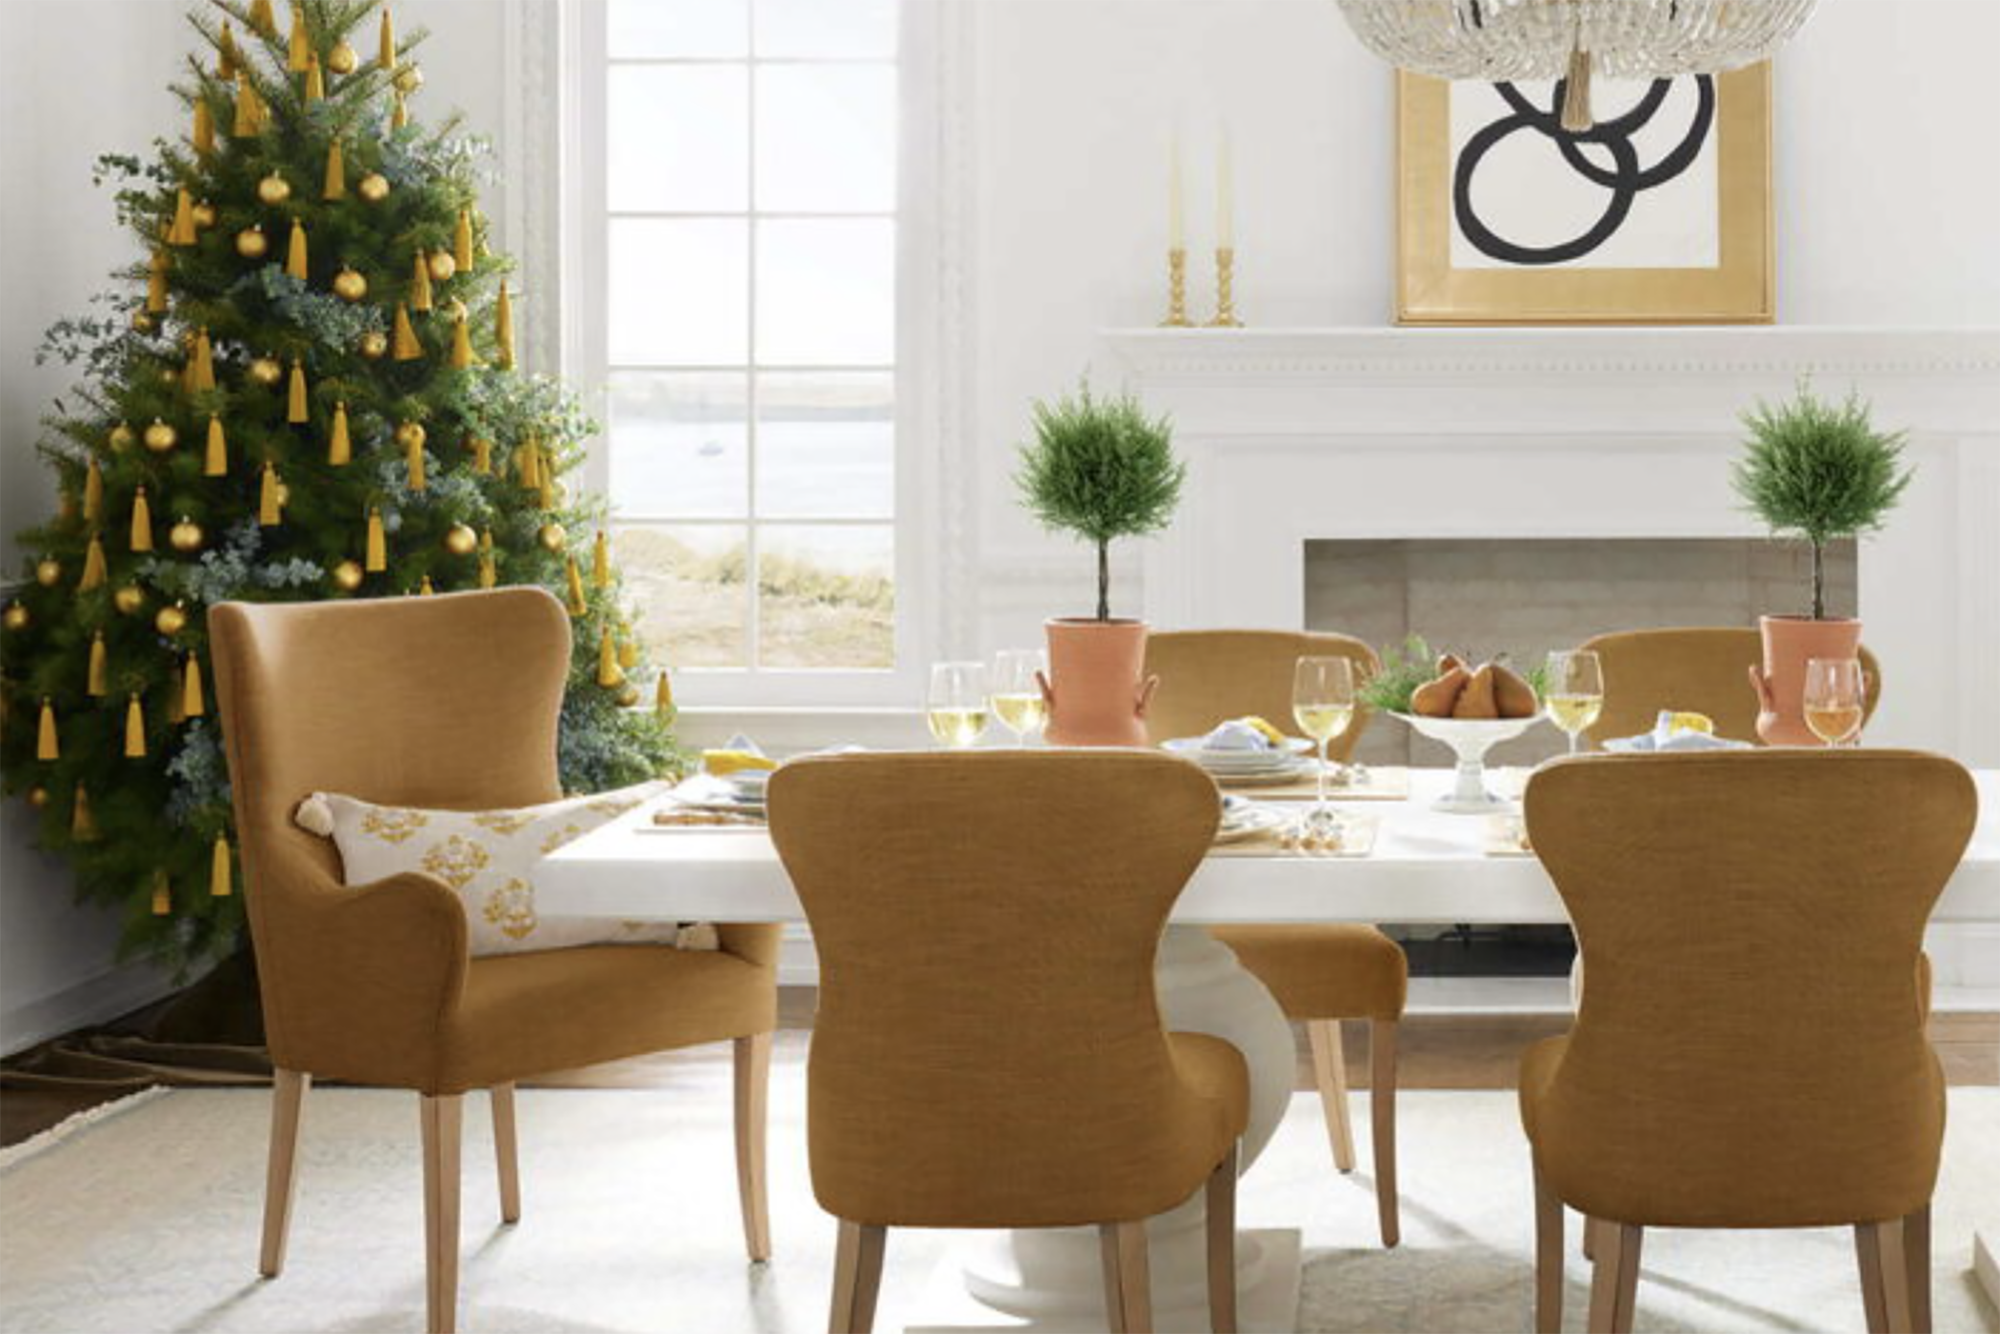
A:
x: 361, y: 978
x: 754, y: 943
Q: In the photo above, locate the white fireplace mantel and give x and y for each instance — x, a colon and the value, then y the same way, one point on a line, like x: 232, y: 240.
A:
x: 1296, y: 434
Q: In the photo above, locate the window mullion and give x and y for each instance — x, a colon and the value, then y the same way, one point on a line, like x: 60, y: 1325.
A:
x: 753, y: 547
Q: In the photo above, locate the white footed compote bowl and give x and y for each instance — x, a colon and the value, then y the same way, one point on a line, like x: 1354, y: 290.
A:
x: 1470, y: 739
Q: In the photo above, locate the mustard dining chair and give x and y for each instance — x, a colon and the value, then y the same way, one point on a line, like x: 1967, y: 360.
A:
x: 1702, y: 668
x: 1321, y: 973
x: 1750, y: 1051
x: 450, y: 703
x: 989, y: 1051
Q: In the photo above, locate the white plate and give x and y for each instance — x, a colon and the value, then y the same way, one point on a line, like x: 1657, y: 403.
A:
x: 1246, y: 823
x: 1193, y: 749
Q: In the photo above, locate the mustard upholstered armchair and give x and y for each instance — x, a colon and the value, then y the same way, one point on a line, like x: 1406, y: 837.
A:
x: 1323, y: 972
x: 447, y: 703
x: 1750, y: 1050
x: 1704, y: 668
x: 989, y: 1051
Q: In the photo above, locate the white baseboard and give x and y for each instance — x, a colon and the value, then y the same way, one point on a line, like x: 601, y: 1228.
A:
x: 94, y: 1000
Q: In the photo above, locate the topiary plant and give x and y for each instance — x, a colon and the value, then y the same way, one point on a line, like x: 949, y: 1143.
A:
x: 1820, y: 471
x: 1100, y: 470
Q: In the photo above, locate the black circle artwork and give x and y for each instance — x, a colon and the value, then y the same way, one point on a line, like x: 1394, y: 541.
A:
x: 1625, y: 179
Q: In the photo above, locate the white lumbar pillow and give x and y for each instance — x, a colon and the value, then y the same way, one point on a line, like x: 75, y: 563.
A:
x: 489, y: 858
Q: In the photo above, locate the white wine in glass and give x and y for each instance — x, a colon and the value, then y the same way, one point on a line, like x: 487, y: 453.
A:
x: 1833, y: 699
x: 1017, y: 692
x: 957, y: 706
x: 1575, y: 695
x: 1323, y: 706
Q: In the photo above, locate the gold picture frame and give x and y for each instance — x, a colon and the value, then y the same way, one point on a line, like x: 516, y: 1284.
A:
x: 1739, y: 290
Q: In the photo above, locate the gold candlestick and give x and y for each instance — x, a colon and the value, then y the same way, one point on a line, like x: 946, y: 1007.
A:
x: 1225, y: 290
x: 1177, y: 316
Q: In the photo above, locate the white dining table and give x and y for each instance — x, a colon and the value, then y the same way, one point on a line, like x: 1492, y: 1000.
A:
x: 1425, y: 866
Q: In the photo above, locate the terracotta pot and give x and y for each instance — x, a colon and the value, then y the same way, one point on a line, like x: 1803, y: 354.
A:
x: 1789, y: 643
x: 1094, y: 690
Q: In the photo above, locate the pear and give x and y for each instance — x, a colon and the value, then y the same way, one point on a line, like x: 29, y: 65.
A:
x: 1476, y: 700
x: 1514, y: 696
x: 1435, y: 699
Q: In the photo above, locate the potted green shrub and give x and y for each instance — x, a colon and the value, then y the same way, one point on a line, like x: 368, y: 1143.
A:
x: 1099, y: 470
x: 1819, y: 471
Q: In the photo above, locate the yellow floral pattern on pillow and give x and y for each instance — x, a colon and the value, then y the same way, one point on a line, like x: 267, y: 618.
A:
x: 488, y: 859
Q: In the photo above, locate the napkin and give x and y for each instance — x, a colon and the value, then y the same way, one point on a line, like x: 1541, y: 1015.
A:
x: 1664, y: 737
x: 1241, y: 734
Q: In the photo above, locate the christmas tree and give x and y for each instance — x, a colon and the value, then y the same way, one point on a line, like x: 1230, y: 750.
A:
x: 306, y: 388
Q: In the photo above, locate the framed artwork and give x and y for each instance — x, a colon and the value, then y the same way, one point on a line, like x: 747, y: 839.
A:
x: 1658, y: 214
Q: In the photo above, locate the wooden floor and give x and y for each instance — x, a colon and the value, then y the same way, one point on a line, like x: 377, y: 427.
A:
x: 1436, y: 1052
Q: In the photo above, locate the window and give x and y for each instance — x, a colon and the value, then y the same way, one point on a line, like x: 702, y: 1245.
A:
x: 747, y: 169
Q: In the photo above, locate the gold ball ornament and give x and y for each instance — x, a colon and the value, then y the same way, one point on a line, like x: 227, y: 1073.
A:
x: 142, y: 322
x: 374, y: 187
x: 169, y: 376
x: 171, y: 620
x: 186, y: 536
x: 552, y: 537
x: 629, y: 696
x: 441, y: 265
x: 15, y: 617
x: 122, y: 438
x: 409, y: 79
x: 274, y: 189
x: 347, y: 576
x: 130, y: 600
x: 460, y: 540
x: 161, y: 437
x: 204, y: 214
x: 48, y: 572
x: 342, y: 59
x: 411, y: 435
x: 374, y: 346
x: 251, y: 243
x: 266, y: 371
x: 38, y: 797
x: 349, y: 285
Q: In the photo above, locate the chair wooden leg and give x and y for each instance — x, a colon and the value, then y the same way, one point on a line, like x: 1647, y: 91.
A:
x: 753, y: 1086
x: 507, y: 1149
x: 1128, y: 1285
x: 1885, y: 1293
x: 1221, y: 1206
x: 1614, y: 1288
x: 442, y: 1117
x: 1382, y: 1116
x: 1917, y: 1268
x: 1548, y: 1259
x: 1330, y: 1073
x: 288, y: 1100
x: 857, y: 1277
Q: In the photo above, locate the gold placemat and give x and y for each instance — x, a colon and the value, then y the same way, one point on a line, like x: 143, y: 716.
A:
x: 1357, y: 840
x: 1506, y: 836
x: 1385, y: 783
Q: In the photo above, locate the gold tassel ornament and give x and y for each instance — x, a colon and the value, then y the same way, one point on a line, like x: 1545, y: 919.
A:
x: 295, y: 252
x: 216, y: 464
x: 413, y: 461
x: 94, y: 678
x: 663, y: 695
x: 135, y: 729
x: 225, y: 52
x: 156, y: 284
x: 269, y: 513
x: 628, y: 651
x: 545, y: 478
x: 488, y: 574
x: 528, y: 458
x: 295, y: 396
x: 142, y: 522
x: 175, y: 681
x: 262, y: 19
x: 299, y: 53
x: 201, y: 371
x: 600, y: 561
x: 204, y: 126
x: 424, y: 588
x: 420, y: 286
x: 94, y: 572
x: 377, y: 558
x: 82, y: 821
x: 388, y: 58
x: 93, y: 493
x: 47, y: 745
x: 482, y: 455
x: 578, y: 606
x: 503, y: 330
x: 403, y: 343
x: 249, y: 109
x: 399, y: 114
x: 461, y: 341
x: 163, y: 895
x: 180, y: 232
x: 609, y: 673
x: 315, y: 82
x: 335, y: 186
x: 218, y: 869
x: 461, y: 241
x: 193, y: 705
x: 339, y: 450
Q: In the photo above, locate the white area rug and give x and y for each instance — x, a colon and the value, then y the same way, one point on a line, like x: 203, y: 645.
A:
x: 147, y: 1219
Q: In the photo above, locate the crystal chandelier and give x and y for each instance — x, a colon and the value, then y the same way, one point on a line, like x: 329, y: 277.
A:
x: 1507, y: 40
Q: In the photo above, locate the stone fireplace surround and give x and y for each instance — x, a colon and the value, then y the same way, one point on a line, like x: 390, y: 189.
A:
x: 1301, y: 435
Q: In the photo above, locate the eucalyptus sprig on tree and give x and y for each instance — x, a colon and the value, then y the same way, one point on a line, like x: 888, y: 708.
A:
x: 1820, y: 471
x: 1101, y: 470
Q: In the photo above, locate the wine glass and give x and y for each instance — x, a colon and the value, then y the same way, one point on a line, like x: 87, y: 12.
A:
x: 1575, y: 694
x: 1017, y: 691
x: 958, y: 703
x: 1833, y: 700
x: 1323, y: 706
